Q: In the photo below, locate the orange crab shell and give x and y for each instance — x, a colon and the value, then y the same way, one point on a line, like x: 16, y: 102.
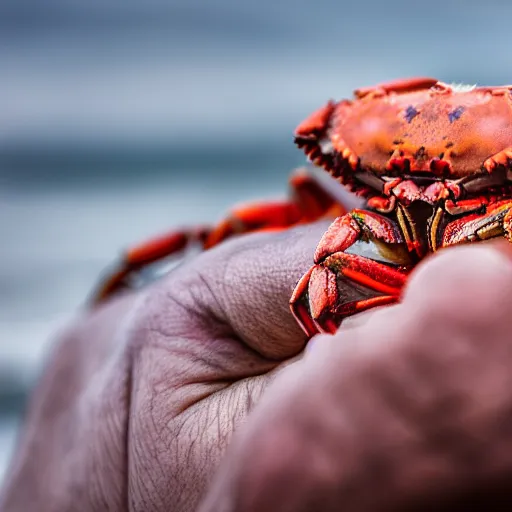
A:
x: 410, y: 126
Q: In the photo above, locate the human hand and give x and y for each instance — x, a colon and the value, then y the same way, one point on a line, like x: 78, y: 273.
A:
x: 410, y: 411
x: 140, y: 399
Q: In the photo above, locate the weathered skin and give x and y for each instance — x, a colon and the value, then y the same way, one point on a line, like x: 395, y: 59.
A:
x: 138, y: 404
x: 433, y: 163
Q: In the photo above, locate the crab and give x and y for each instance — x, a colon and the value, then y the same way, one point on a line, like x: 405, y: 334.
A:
x: 433, y: 164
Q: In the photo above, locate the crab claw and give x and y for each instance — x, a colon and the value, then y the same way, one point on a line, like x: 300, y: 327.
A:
x: 344, y: 285
x: 343, y: 282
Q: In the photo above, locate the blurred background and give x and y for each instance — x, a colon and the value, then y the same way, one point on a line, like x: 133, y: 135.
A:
x: 121, y: 119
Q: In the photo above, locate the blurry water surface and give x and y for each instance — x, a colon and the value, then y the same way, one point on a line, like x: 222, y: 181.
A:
x: 120, y: 119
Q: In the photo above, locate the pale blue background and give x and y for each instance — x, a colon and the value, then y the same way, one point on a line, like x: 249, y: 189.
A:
x: 119, y: 119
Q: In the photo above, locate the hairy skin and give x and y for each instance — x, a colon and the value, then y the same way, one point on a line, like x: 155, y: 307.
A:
x: 140, y: 399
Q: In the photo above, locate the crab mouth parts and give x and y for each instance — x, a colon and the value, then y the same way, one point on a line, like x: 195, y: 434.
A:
x: 468, y: 186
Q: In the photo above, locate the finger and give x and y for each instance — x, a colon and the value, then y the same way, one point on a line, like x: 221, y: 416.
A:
x: 404, y: 405
x: 467, y: 281
x: 247, y: 283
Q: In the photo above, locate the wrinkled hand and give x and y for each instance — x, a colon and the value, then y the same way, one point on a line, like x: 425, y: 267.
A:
x: 140, y: 399
x: 410, y: 411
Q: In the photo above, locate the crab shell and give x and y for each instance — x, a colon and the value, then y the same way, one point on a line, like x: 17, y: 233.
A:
x: 410, y: 128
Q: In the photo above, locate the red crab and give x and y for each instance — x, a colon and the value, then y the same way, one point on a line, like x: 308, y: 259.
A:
x: 434, y: 164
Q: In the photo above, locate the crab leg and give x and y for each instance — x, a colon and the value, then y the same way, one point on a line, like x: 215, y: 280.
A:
x: 496, y: 221
x: 137, y: 257
x: 309, y: 201
x: 361, y: 262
